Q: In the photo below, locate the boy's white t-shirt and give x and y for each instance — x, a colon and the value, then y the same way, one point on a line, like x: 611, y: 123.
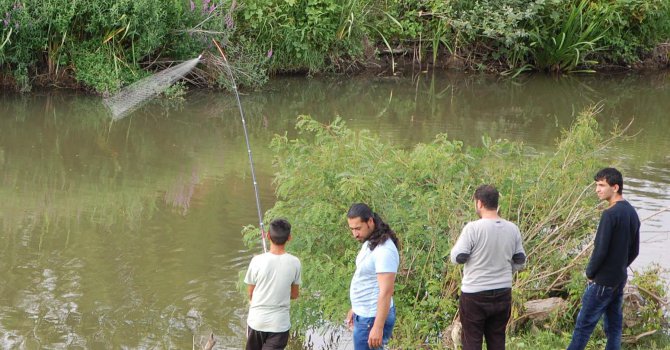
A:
x: 272, y: 276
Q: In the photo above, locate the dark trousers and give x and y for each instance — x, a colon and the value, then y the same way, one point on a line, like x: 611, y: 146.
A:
x: 266, y: 340
x: 485, y: 314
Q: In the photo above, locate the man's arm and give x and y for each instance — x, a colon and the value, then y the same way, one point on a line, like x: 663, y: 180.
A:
x: 601, y: 243
x: 295, y: 291
x: 297, y: 280
x: 350, y: 319
x: 386, y: 285
x: 634, y: 246
x: 519, y: 257
x: 460, y: 252
x: 250, y: 290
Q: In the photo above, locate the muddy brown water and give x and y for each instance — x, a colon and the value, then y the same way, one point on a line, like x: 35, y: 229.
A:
x: 127, y: 234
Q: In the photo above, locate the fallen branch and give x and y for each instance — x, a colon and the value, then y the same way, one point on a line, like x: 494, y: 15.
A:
x: 654, y: 296
x: 636, y: 338
x: 656, y: 213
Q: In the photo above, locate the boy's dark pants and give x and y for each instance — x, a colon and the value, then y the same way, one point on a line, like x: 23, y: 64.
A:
x: 485, y: 314
x: 266, y: 340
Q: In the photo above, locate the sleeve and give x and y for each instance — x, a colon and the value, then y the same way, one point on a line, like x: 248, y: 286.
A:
x: 601, y: 244
x: 298, y: 274
x: 386, y: 259
x: 519, y: 243
x: 463, y: 244
x: 634, y: 248
x: 251, y: 275
x: 519, y: 252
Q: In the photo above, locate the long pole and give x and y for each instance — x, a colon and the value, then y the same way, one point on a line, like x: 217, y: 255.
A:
x: 246, y: 137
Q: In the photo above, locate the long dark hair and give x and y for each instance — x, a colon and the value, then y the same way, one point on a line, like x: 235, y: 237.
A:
x: 382, y: 230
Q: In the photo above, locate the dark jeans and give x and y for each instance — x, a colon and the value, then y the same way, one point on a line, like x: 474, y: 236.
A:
x: 257, y: 340
x: 596, y: 301
x: 485, y: 314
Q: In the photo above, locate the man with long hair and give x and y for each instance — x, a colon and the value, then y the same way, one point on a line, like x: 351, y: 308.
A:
x: 372, y: 314
x: 616, y: 245
x: 491, y: 250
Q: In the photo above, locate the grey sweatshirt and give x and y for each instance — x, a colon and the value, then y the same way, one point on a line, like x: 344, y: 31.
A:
x: 489, y: 246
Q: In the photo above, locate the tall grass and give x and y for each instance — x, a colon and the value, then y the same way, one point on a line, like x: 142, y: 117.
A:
x: 564, y: 45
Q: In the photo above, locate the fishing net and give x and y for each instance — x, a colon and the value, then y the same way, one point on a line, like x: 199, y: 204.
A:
x: 133, y: 96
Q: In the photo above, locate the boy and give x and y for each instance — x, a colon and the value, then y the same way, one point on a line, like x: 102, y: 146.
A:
x: 273, y: 279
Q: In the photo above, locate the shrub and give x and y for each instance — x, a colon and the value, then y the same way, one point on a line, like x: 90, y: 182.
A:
x: 562, y: 43
x: 300, y: 33
x: 635, y: 27
x: 425, y: 194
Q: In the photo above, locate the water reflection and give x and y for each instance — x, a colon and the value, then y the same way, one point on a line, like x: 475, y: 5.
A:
x: 126, y: 234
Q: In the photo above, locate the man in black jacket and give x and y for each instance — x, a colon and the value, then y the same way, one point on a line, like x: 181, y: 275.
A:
x: 616, y: 245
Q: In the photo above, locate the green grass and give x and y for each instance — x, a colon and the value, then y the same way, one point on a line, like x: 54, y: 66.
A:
x: 548, y: 340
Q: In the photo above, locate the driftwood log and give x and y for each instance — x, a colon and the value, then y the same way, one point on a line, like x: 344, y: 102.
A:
x: 540, y: 310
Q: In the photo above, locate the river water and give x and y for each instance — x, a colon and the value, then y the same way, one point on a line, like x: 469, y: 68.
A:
x: 127, y: 234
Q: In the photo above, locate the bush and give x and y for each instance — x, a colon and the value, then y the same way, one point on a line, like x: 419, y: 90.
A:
x: 563, y: 43
x: 48, y: 39
x: 104, y: 42
x: 425, y: 194
x: 301, y: 34
x: 635, y: 27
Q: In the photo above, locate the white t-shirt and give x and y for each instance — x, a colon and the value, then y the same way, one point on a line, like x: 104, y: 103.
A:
x: 364, y: 289
x: 272, y: 276
x: 491, y: 244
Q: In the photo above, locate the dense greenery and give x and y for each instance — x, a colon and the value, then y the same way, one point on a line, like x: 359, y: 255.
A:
x: 425, y: 194
x: 104, y: 44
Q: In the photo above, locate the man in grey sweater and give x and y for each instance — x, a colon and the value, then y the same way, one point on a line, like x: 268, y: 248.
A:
x: 491, y: 250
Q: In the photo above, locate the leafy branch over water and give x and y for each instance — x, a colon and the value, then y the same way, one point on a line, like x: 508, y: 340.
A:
x: 426, y: 195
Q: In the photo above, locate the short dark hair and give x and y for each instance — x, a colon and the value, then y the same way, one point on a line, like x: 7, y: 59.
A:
x: 488, y: 195
x: 280, y: 230
x: 611, y: 176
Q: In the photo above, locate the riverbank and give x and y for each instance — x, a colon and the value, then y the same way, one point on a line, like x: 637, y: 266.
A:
x: 102, y: 45
x: 378, y: 66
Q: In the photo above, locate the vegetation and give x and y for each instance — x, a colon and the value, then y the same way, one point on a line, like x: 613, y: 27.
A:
x: 424, y: 193
x: 104, y: 44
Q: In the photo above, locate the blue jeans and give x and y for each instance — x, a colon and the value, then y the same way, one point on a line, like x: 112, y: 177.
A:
x: 363, y: 325
x: 596, y: 301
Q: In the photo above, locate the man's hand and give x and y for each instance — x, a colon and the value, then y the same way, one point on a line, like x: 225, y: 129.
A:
x: 375, y: 338
x: 349, y: 321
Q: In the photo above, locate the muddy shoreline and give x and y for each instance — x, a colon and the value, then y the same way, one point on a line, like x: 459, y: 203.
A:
x: 400, y: 62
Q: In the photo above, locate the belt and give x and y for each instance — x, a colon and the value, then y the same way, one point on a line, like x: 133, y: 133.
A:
x: 492, y: 291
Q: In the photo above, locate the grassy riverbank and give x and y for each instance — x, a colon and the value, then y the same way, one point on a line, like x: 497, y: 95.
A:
x: 101, y: 45
x: 424, y: 193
